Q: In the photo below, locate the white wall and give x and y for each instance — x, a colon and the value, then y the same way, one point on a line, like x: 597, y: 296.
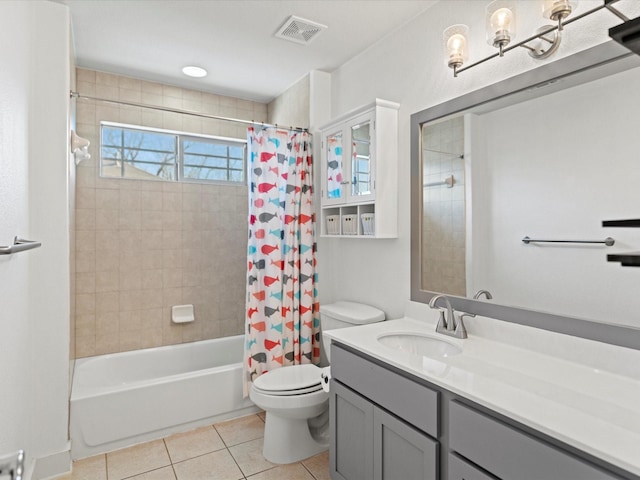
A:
x: 291, y: 108
x: 34, y: 293
x: 409, y: 67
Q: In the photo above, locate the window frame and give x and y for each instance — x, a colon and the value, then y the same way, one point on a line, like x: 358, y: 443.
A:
x: 179, y: 138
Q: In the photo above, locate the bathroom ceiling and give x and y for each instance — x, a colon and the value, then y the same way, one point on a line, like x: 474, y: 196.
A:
x: 232, y: 39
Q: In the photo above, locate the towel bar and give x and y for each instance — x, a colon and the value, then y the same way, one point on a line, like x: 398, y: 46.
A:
x: 607, y: 241
x: 19, y: 245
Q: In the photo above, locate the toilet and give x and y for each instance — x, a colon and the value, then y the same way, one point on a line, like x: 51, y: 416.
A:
x: 297, y: 407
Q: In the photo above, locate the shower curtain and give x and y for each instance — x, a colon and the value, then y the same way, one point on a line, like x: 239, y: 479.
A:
x: 282, y: 314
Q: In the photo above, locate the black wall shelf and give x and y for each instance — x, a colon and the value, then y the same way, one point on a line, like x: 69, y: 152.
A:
x: 633, y: 223
x: 630, y: 259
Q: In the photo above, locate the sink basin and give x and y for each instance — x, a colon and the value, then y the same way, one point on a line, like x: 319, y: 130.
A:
x: 421, y: 345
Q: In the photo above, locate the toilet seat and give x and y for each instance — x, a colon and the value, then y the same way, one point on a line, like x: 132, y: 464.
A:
x: 293, y: 380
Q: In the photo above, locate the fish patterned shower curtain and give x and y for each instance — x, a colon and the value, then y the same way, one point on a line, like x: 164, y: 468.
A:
x: 282, y: 314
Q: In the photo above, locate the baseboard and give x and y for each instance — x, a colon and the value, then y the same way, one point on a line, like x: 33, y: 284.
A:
x: 52, y: 466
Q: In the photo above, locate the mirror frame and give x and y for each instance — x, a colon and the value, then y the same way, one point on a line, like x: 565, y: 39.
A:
x: 593, y: 63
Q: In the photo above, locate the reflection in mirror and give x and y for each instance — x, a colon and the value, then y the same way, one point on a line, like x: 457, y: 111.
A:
x: 443, y: 207
x: 334, y: 166
x: 361, y: 160
x: 551, y: 153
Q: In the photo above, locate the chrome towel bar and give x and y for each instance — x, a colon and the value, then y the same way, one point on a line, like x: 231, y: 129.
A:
x: 19, y: 245
x: 449, y: 181
x: 607, y: 241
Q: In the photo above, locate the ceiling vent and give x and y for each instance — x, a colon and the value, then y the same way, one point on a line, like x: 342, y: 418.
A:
x: 299, y: 30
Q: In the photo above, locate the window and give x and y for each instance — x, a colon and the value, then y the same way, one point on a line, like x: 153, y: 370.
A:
x: 148, y: 154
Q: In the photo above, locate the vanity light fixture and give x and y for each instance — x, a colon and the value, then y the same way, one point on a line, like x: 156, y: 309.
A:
x: 193, y: 71
x: 500, y: 26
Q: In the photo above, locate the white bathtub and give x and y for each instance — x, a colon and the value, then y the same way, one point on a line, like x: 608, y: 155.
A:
x: 121, y: 399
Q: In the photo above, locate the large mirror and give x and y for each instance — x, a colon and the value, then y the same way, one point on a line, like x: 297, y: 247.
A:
x: 548, y: 155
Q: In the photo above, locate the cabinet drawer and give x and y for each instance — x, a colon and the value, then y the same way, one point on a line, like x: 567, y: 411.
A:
x: 415, y: 403
x: 507, y: 452
x: 461, y: 470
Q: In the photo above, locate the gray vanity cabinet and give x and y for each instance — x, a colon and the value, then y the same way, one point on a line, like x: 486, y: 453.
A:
x: 376, y: 440
x: 461, y: 470
x: 389, y: 425
x: 401, y: 451
x: 508, y: 452
x: 352, y: 442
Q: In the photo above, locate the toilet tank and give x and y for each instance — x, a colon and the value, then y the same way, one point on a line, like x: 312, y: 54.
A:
x: 344, y: 314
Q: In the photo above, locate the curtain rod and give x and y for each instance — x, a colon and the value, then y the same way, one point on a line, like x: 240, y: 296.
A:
x: 184, y: 112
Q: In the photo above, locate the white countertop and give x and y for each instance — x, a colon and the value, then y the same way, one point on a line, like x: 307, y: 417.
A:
x: 581, y: 392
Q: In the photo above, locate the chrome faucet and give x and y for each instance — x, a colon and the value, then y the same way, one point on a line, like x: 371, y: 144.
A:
x: 486, y: 293
x: 448, y: 325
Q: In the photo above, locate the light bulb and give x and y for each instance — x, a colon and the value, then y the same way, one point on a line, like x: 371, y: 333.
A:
x: 501, y: 19
x: 455, y: 45
x: 500, y: 23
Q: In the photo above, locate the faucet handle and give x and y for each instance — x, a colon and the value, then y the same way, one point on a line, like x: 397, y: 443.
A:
x: 460, y: 330
x: 442, y: 322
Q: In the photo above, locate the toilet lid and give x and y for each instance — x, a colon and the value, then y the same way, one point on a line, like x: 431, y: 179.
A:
x: 286, y: 379
x: 287, y: 393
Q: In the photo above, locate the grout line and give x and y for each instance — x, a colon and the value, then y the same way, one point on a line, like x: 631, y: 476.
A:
x: 166, y: 447
x: 237, y: 464
x: 145, y: 472
x: 106, y: 465
x: 305, y: 467
x: 175, y: 475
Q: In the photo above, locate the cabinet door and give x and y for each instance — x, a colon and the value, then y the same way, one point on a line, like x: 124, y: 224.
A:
x: 351, y: 422
x: 400, y: 451
x: 362, y: 159
x: 334, y: 170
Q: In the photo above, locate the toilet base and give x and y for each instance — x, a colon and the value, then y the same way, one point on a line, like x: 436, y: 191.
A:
x: 289, y: 440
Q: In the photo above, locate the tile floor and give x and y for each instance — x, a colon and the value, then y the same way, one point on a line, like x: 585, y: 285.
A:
x: 229, y: 450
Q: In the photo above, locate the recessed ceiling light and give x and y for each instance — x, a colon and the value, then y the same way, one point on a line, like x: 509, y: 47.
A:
x: 193, y: 71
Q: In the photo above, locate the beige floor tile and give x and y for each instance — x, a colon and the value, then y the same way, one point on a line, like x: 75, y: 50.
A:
x: 184, y: 446
x: 295, y: 471
x: 318, y: 465
x: 249, y: 457
x: 165, y: 473
x: 212, y: 466
x: 241, y: 430
x: 92, y: 468
x: 262, y: 415
x: 136, y: 460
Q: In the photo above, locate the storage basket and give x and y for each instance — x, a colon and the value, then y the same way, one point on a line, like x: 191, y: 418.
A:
x: 333, y: 224
x: 368, y: 224
x: 350, y: 224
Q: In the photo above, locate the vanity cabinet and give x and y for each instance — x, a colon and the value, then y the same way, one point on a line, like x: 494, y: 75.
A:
x: 388, y: 424
x: 359, y: 173
x: 380, y: 440
x: 508, y: 452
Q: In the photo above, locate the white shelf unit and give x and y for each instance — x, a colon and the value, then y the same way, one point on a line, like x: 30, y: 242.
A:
x: 373, y: 210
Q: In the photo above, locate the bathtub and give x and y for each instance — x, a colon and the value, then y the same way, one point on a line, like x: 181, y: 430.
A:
x: 121, y: 399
